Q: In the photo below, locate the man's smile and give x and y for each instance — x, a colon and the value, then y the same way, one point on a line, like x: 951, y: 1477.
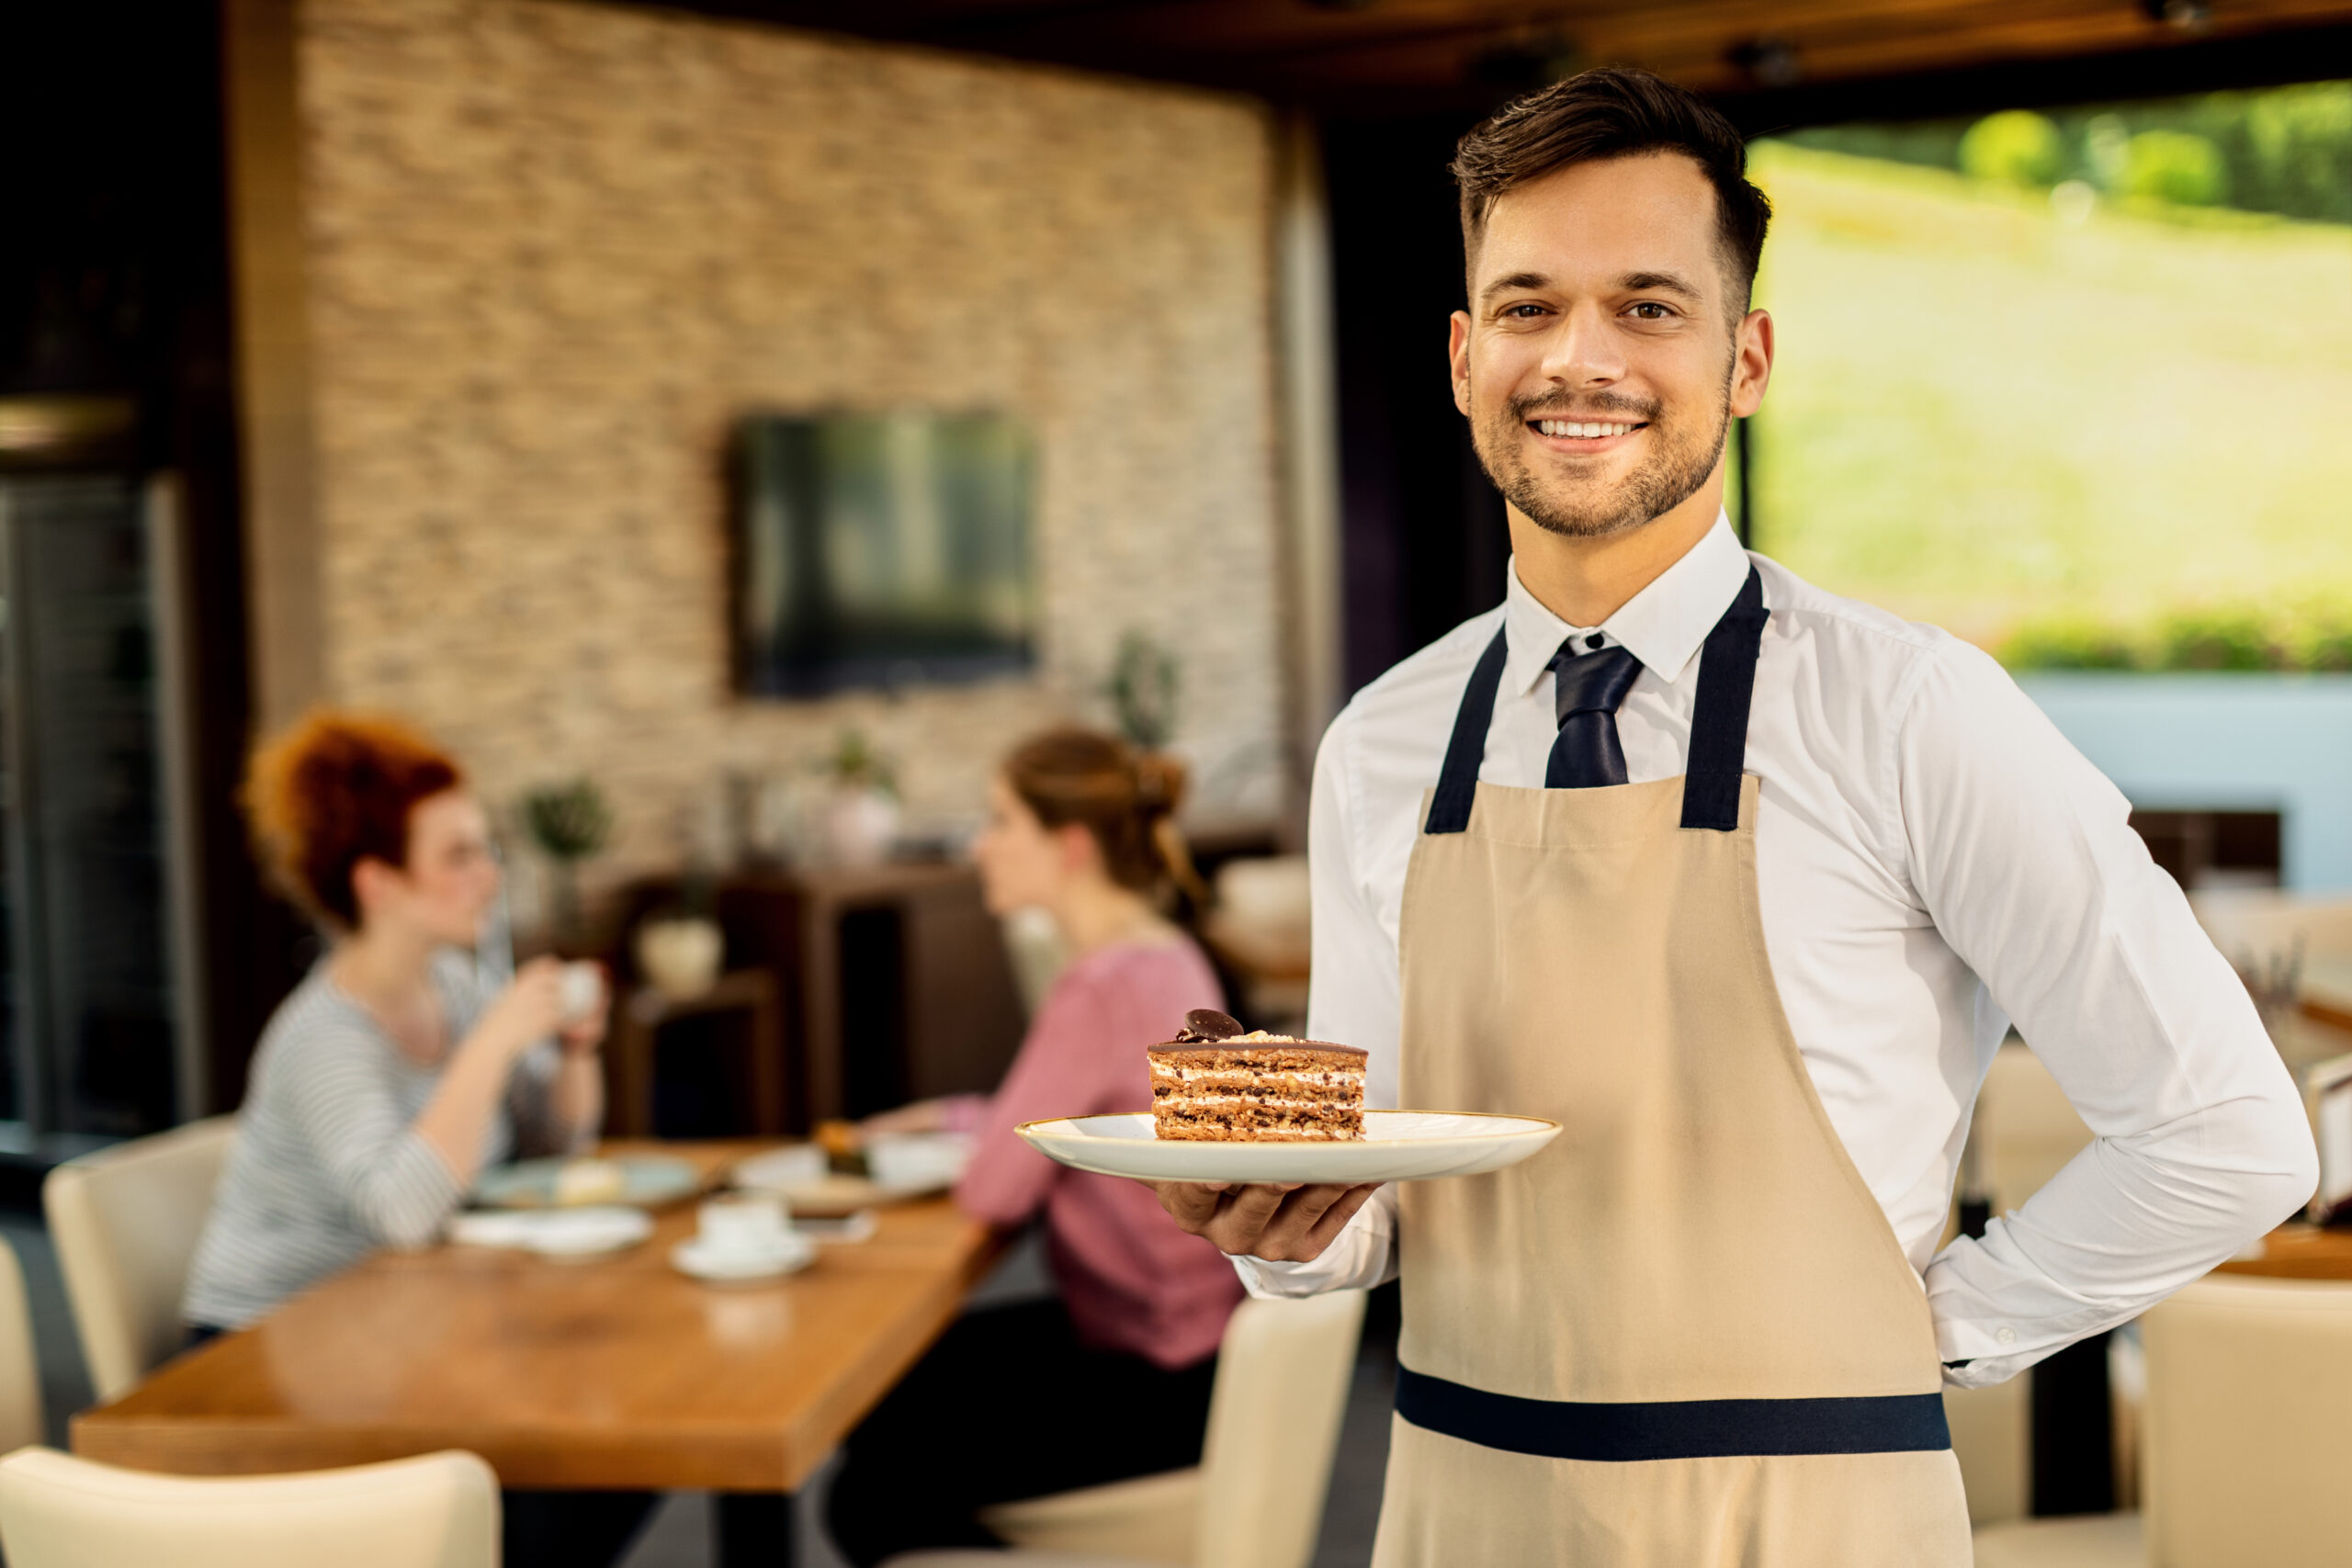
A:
x: 1583, y: 436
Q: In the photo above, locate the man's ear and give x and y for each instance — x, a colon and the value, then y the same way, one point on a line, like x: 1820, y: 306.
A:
x: 1457, y: 352
x: 1752, y: 369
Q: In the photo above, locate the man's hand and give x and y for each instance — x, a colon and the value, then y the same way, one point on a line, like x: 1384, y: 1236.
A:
x: 1281, y: 1222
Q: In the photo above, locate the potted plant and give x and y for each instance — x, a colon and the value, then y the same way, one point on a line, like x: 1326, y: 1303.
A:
x: 1143, y: 690
x: 569, y: 823
x: 858, y: 819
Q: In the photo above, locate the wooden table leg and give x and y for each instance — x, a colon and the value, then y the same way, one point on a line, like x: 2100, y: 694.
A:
x: 769, y: 1110
x: 754, y: 1530
x: 820, y: 1006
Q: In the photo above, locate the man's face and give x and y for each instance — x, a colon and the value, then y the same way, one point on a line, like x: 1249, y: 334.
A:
x: 1605, y: 348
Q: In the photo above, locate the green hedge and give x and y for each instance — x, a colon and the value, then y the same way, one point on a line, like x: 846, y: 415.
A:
x: 2212, y: 639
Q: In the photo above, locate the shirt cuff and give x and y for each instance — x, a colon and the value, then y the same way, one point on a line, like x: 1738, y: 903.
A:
x: 1270, y: 1282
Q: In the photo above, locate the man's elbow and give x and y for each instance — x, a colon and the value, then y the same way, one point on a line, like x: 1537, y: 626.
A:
x: 2286, y: 1181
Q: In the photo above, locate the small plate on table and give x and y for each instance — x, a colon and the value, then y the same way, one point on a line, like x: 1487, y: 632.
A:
x: 1397, y: 1145
x: 743, y: 1266
x: 904, y: 1166
x: 564, y: 1234
x: 646, y: 1181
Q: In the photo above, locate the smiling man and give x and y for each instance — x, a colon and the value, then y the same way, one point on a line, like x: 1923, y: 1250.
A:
x: 1742, y: 883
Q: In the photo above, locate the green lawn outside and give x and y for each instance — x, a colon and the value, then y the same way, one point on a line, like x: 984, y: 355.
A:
x: 1983, y: 415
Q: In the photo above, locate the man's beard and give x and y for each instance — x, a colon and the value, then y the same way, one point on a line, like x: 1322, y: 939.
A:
x: 1672, y: 474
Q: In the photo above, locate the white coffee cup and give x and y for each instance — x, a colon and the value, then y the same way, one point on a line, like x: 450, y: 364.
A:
x: 743, y: 1223
x: 581, y: 986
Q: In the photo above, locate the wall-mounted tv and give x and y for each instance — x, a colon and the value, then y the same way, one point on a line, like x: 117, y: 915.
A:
x: 881, y: 549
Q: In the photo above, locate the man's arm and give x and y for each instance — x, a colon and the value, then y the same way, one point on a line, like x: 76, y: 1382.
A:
x: 1300, y: 1241
x: 2022, y: 853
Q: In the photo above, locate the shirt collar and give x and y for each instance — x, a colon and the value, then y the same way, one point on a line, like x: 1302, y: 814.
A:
x: 1662, y: 625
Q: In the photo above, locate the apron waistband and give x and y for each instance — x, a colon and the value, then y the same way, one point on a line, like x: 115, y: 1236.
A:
x: 1686, y: 1428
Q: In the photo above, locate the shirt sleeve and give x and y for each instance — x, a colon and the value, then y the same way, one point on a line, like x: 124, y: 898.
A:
x: 1355, y: 999
x: 396, y: 1185
x: 2023, y: 854
x: 1058, y: 1072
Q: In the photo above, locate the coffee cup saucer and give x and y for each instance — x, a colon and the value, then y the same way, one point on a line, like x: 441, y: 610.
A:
x: 740, y: 1265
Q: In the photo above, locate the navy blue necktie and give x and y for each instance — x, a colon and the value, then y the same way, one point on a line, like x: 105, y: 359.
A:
x: 1587, y: 690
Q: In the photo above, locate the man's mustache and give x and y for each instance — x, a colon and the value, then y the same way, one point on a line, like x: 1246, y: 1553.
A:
x: 1552, y: 405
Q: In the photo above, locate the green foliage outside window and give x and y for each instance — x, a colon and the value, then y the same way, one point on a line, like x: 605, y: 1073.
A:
x: 2016, y: 146
x: 2281, y: 150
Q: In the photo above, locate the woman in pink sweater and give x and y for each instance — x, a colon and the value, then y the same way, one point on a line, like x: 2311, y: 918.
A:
x: 1078, y: 825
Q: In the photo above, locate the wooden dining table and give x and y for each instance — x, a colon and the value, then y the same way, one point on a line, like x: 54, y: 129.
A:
x: 619, y: 1372
x: 2298, y: 1251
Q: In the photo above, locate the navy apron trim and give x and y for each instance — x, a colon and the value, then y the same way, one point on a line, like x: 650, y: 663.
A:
x: 1719, y: 711
x: 1687, y: 1428
x: 1718, y: 722
x: 1457, y: 783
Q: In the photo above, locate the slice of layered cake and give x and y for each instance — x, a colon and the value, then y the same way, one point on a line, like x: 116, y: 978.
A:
x: 1214, y: 1081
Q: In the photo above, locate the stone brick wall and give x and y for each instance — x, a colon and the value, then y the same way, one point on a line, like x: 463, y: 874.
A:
x: 556, y: 249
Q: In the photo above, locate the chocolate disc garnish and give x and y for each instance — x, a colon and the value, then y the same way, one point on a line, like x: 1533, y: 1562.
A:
x: 1207, y: 1023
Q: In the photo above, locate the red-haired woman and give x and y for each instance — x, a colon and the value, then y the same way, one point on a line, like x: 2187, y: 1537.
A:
x: 1079, y: 825
x: 395, y: 1071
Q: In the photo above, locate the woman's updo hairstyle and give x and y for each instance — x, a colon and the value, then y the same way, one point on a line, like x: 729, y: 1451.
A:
x: 1126, y: 798
x: 333, y: 790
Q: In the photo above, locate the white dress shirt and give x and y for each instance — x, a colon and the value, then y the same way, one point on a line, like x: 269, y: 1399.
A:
x: 1933, y: 860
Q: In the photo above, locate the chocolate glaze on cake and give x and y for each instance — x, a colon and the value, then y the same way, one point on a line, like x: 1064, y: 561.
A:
x: 1213, y: 1082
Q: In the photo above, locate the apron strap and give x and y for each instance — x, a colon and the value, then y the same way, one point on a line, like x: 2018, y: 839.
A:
x: 1718, y: 723
x: 1719, y: 711
x: 1457, y: 783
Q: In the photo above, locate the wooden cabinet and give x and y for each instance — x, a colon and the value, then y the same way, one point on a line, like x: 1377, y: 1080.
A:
x: 895, y: 981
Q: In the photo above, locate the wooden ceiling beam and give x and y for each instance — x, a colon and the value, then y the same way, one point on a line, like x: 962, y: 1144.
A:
x: 1462, y: 54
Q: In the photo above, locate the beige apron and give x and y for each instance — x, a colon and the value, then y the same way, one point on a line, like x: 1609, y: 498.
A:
x: 1684, y: 1335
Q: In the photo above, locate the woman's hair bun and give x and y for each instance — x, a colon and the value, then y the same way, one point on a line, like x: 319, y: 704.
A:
x: 1160, y: 782
x: 1125, y: 797
x: 334, y: 789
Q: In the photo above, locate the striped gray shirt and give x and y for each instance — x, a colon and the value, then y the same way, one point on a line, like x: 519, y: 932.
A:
x: 327, y: 1162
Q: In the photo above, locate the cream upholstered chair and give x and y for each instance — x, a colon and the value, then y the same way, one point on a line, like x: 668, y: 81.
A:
x: 125, y: 1221
x: 2249, y: 1381
x: 434, y: 1511
x: 20, y: 1413
x: 1257, y: 1499
x: 2246, y: 1445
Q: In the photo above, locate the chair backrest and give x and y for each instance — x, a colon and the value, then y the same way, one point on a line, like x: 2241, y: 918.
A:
x: 2245, y: 1442
x: 125, y: 1221
x: 1283, y: 1376
x: 20, y: 1413
x: 435, y: 1511
x: 2025, y: 1127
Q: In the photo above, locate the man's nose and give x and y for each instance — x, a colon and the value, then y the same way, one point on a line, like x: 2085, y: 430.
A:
x: 1583, y: 351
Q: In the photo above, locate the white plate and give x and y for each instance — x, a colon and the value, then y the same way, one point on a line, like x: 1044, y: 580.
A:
x: 695, y: 1257
x: 1398, y: 1146
x: 555, y: 1233
x: 647, y: 1181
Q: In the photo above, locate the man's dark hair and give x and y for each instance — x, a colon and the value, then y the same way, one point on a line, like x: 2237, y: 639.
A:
x: 1613, y: 112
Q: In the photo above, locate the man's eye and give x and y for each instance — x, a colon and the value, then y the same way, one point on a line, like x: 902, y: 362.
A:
x: 1651, y: 310
x: 1526, y: 311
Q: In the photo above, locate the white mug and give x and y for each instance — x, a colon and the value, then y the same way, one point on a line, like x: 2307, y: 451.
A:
x: 743, y: 1221
x: 582, y: 990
